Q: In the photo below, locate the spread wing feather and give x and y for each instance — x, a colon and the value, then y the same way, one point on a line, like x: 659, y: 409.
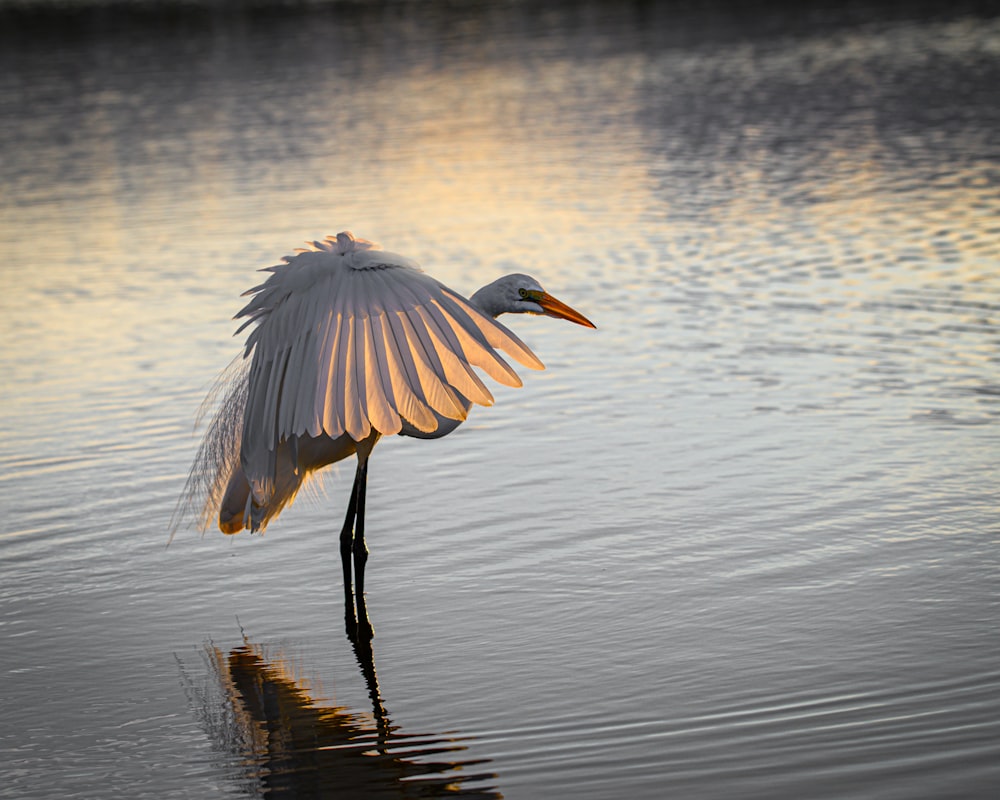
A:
x: 346, y: 338
x: 497, y: 336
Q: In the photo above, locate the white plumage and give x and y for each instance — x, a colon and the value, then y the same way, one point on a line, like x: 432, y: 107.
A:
x: 349, y: 343
x: 351, y: 339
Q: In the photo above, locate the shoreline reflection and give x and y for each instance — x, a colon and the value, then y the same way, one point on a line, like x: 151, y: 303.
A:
x: 257, y: 710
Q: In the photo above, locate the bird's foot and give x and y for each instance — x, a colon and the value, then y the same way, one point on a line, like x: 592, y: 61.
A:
x: 351, y: 628
x: 365, y: 630
x: 358, y: 630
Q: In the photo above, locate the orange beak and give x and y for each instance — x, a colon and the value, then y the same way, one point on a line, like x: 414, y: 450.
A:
x: 557, y: 308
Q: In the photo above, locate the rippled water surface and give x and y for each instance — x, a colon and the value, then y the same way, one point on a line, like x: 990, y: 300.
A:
x: 740, y: 541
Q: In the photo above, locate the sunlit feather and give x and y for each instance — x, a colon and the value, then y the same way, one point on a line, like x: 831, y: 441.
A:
x: 345, y: 341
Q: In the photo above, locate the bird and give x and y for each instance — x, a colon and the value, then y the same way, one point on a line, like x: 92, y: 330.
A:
x: 349, y: 343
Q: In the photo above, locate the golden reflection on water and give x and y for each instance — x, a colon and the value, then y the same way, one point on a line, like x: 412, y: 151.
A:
x: 258, y: 708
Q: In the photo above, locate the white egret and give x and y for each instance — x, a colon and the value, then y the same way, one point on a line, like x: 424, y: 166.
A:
x: 350, y: 343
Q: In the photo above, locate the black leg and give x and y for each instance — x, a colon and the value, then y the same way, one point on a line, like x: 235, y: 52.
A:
x: 352, y: 545
x: 365, y: 630
x: 346, y: 548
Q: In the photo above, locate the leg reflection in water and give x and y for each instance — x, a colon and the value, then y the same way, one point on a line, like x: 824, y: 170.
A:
x: 287, y: 744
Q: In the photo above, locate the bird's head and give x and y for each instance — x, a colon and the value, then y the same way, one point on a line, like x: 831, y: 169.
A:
x: 522, y: 294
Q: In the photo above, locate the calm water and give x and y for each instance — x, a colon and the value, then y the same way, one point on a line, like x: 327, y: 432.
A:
x: 741, y: 541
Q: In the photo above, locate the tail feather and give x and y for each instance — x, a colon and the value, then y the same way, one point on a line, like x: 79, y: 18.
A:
x: 217, y: 489
x: 218, y: 457
x: 238, y: 509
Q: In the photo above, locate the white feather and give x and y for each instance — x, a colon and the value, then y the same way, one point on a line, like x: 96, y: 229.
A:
x: 347, y: 338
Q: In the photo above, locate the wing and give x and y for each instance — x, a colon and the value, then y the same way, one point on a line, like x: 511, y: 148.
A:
x: 350, y: 339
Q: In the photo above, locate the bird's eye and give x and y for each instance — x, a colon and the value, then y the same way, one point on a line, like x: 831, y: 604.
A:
x: 523, y: 293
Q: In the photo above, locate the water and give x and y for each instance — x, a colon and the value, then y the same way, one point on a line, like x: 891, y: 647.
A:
x: 742, y: 540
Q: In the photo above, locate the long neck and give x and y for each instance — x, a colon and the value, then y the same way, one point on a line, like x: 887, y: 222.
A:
x: 487, y: 300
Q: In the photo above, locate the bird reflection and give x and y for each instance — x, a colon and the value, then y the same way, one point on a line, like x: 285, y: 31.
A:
x: 287, y: 745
